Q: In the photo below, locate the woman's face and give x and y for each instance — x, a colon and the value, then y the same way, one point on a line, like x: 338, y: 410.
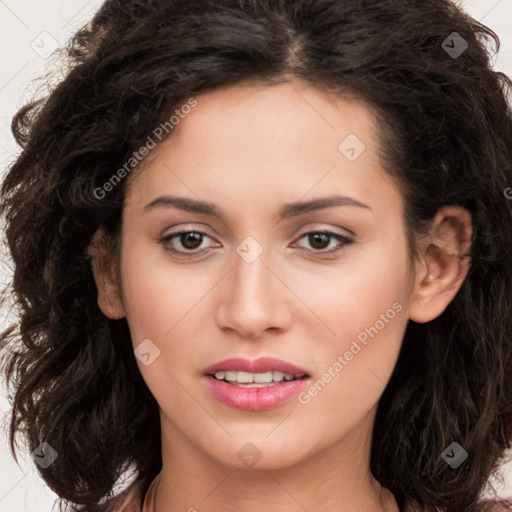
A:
x: 260, y: 280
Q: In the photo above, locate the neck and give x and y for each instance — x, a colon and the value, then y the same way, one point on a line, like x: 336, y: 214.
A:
x: 335, y: 478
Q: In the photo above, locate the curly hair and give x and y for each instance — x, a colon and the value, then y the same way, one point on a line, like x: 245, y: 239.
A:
x: 445, y: 127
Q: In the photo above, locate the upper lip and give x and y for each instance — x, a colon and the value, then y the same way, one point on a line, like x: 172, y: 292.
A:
x: 261, y: 365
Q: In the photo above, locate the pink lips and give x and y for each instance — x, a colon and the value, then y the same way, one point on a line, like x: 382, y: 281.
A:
x: 255, y: 399
x: 261, y: 365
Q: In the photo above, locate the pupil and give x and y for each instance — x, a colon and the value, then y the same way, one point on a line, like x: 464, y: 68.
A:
x: 191, y: 236
x: 314, y: 240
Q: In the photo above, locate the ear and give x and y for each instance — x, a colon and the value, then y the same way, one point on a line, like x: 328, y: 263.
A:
x: 104, y: 269
x: 444, y: 263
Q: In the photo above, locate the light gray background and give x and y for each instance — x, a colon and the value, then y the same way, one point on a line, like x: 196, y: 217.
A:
x: 28, y: 31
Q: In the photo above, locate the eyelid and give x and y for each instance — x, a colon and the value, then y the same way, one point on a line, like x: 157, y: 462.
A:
x: 166, y: 238
x: 342, y: 238
x: 185, y: 229
x: 325, y: 228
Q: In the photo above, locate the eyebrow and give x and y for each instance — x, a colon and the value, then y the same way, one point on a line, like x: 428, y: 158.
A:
x: 286, y: 210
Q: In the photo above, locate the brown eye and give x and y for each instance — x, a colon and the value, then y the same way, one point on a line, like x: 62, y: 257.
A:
x: 184, y: 242
x: 320, y: 240
x: 190, y: 240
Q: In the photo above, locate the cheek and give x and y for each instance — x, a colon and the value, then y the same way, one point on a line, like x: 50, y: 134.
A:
x: 160, y: 304
x: 165, y: 304
x: 367, y: 289
x: 366, y: 307
x: 158, y: 295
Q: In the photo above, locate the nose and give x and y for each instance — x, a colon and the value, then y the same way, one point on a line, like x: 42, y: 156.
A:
x: 253, y: 297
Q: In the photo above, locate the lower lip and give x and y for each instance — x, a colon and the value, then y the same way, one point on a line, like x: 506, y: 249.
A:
x: 254, y: 399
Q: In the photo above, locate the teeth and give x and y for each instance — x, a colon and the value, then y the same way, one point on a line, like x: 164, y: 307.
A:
x: 262, y: 377
x: 258, y: 378
x: 277, y: 376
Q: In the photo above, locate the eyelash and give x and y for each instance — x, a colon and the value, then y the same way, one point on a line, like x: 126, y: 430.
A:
x: 344, y: 239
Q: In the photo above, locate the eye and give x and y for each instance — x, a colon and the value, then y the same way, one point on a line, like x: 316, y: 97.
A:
x: 320, y: 240
x: 189, y: 242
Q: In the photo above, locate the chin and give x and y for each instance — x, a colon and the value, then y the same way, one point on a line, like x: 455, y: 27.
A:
x: 254, y: 454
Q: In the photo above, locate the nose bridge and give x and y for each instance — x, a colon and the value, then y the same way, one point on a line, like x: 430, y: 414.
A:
x: 251, y: 277
x: 251, y: 303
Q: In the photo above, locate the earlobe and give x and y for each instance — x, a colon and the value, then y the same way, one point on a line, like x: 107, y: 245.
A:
x: 445, y: 264
x: 103, y: 267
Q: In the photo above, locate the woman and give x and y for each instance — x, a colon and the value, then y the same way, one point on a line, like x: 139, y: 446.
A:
x: 262, y: 256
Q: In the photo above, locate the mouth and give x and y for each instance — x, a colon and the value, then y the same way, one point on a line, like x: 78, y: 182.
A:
x: 255, y: 380
x: 256, y: 385
x: 265, y: 370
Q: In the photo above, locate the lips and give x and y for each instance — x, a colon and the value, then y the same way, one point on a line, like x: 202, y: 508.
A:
x: 261, y: 365
x: 263, y: 397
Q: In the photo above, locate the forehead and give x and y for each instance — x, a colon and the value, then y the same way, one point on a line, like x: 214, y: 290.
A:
x: 277, y: 115
x: 249, y: 138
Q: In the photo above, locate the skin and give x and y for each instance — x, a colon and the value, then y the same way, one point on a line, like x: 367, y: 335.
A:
x: 249, y: 149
